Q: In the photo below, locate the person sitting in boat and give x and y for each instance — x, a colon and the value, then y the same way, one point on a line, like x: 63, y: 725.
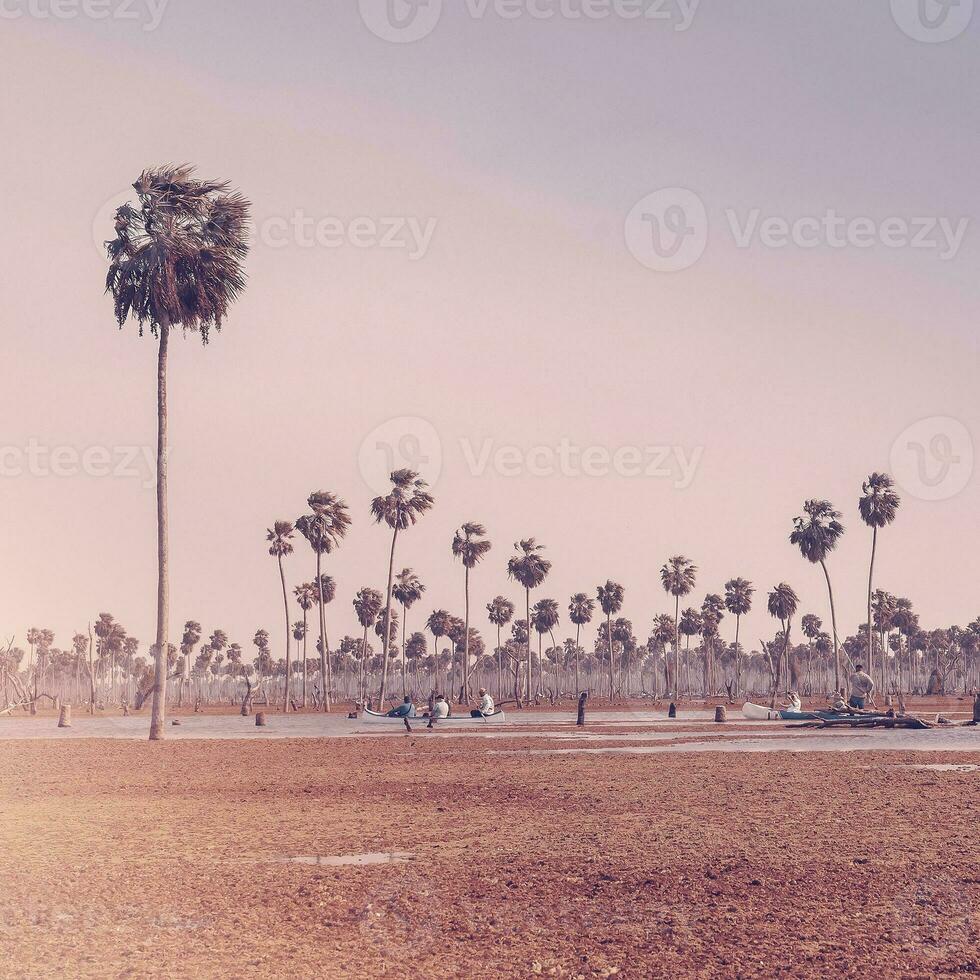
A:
x: 793, y: 702
x: 486, y: 705
x: 405, y: 710
x: 861, y: 687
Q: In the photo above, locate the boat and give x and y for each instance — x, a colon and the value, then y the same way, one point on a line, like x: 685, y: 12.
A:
x: 369, y: 717
x: 757, y: 712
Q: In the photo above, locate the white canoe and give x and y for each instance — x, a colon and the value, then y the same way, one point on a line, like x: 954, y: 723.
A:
x: 759, y: 713
x: 368, y: 717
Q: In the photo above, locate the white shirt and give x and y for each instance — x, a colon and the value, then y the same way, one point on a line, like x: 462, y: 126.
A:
x: 441, y: 709
x: 486, y: 705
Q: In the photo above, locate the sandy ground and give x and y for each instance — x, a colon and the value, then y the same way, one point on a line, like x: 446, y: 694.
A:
x: 137, y: 859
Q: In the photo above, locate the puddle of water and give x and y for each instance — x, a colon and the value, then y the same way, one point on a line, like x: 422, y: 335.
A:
x: 944, y: 767
x: 348, y: 860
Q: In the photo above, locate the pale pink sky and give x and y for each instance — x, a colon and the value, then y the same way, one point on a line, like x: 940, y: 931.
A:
x: 792, y: 371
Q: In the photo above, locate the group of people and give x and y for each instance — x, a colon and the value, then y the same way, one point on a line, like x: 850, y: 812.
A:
x: 442, y: 709
x: 861, y: 688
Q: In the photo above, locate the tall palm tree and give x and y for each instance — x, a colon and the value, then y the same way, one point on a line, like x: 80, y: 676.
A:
x: 878, y: 506
x: 738, y: 601
x: 678, y: 577
x: 782, y: 606
x: 407, y: 590
x: 367, y: 605
x: 408, y: 501
x: 471, y: 550
x: 610, y: 597
x: 580, y: 611
x: 816, y: 534
x: 279, y: 537
x: 324, y: 529
x: 305, y: 598
x: 177, y: 261
x: 500, y: 612
x: 530, y: 568
x: 438, y: 624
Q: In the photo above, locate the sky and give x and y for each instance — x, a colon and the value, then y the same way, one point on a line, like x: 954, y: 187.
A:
x: 635, y: 287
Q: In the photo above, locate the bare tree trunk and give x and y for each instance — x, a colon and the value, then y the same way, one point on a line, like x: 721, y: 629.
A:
x: 466, y: 633
x: 871, y: 572
x: 738, y: 658
x: 158, y: 708
x: 527, y: 612
x: 324, y: 658
x: 677, y: 652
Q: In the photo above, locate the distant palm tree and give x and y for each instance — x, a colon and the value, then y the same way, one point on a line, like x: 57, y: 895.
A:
x: 738, y: 601
x: 438, y: 624
x: 367, y: 605
x: 407, y: 590
x: 878, y: 506
x: 580, y: 611
x: 816, y: 534
x: 408, y: 501
x: 663, y: 634
x: 530, y: 568
x: 176, y: 261
x: 306, y: 596
x: 279, y: 537
x: 782, y: 606
x: 324, y: 529
x: 544, y: 618
x: 712, y: 613
x: 500, y: 612
x: 610, y: 597
x: 678, y: 577
x: 468, y: 547
x: 690, y: 625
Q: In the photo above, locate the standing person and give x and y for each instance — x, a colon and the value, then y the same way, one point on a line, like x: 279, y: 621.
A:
x: 486, y: 705
x: 861, y: 687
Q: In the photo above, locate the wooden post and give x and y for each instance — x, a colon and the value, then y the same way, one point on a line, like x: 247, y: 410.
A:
x: 64, y: 719
x: 721, y: 714
x: 672, y: 710
x: 582, y: 698
x: 260, y: 719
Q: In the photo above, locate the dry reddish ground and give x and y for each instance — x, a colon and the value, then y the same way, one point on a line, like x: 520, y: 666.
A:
x: 131, y: 859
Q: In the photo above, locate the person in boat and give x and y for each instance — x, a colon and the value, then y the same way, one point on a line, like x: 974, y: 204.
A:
x: 405, y: 710
x: 861, y: 687
x: 486, y: 705
x: 793, y: 702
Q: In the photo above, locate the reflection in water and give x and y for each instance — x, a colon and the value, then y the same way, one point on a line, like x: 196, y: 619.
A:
x: 347, y: 860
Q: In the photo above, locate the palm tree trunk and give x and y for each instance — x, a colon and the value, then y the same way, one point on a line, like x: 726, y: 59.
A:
x: 285, y: 606
x: 833, y: 624
x: 578, y: 631
x: 91, y: 671
x: 387, y: 636
x: 609, y: 645
x: 871, y: 572
x: 677, y: 652
x: 404, y: 674
x: 466, y: 635
x: 527, y: 613
x: 738, y: 659
x: 500, y: 668
x: 158, y: 709
x: 304, y: 657
x: 324, y: 658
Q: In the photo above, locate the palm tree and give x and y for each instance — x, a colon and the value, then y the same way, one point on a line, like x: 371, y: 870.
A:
x: 782, y: 606
x: 324, y: 529
x: 367, y: 605
x: 544, y: 618
x: 580, y: 611
x: 530, y: 568
x: 438, y: 624
x: 610, y: 597
x: 691, y: 624
x: 407, y: 590
x: 176, y: 261
x: 500, y: 612
x: 678, y: 577
x: 306, y: 595
x: 711, y: 615
x: 738, y: 601
x: 408, y: 501
x: 468, y: 547
x: 664, y: 632
x: 878, y: 506
x: 816, y: 534
x: 280, y: 545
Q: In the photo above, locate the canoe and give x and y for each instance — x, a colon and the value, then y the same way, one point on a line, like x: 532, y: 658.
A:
x: 368, y: 717
x: 759, y: 713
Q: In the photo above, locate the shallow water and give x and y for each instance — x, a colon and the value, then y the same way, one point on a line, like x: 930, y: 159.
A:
x: 346, y: 860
